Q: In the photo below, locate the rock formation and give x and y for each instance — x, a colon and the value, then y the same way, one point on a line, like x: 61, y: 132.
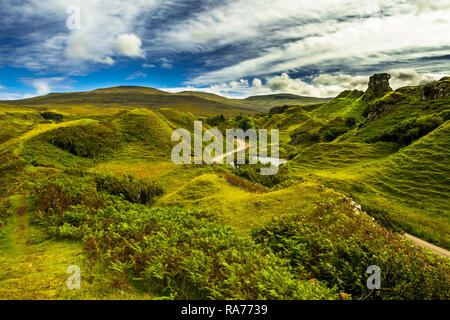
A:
x: 436, y: 90
x: 378, y: 87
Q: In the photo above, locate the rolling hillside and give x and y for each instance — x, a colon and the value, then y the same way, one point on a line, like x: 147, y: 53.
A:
x: 201, y: 104
x: 97, y: 180
x: 390, y: 152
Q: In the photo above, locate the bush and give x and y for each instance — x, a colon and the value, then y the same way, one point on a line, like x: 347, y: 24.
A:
x: 350, y: 121
x: 189, y: 255
x: 215, y: 121
x: 253, y: 174
x: 133, y: 190
x: 48, y: 115
x: 338, y: 247
x: 54, y: 197
x: 181, y: 254
x: 243, y: 183
x: 411, y: 129
x: 92, y: 141
x: 333, y: 133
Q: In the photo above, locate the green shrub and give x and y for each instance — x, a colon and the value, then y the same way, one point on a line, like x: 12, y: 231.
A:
x: 189, y: 255
x: 333, y: 133
x: 411, y: 129
x: 181, y: 254
x: 350, y: 121
x: 215, y: 121
x: 133, y: 190
x: 92, y: 141
x: 54, y: 197
x: 253, y: 174
x: 338, y: 247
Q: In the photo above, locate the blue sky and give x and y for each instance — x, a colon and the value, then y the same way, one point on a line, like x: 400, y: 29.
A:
x: 234, y: 48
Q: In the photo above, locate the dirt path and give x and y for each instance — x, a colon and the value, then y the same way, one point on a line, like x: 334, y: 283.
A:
x: 421, y: 243
x: 39, y: 129
x: 241, y: 145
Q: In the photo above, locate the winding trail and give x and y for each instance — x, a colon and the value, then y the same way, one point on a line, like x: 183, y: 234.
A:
x: 37, y: 130
x: 241, y: 145
x: 423, y: 244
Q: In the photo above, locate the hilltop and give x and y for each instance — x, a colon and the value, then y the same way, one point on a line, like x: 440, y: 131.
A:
x: 199, y: 103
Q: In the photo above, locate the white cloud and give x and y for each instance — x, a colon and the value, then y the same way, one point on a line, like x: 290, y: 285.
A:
x: 129, y: 45
x: 240, y: 39
x: 136, y: 75
x: 342, y: 80
x: 289, y: 35
x: 148, y: 65
x: 432, y: 5
x: 43, y: 86
x: 106, y: 26
x: 323, y: 85
x: 77, y: 50
x: 166, y: 63
x: 410, y: 77
x: 40, y: 86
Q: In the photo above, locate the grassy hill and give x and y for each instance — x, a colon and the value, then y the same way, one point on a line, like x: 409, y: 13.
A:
x: 96, y: 180
x: 391, y: 153
x: 203, y: 104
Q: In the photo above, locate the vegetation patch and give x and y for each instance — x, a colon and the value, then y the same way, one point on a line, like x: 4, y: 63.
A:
x: 93, y: 141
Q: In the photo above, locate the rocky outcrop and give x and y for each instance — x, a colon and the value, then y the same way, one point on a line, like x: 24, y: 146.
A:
x: 436, y: 90
x: 378, y: 110
x: 378, y: 87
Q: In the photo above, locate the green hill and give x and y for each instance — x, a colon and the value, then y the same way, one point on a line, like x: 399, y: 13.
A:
x: 90, y: 174
x: 391, y: 152
x: 203, y: 104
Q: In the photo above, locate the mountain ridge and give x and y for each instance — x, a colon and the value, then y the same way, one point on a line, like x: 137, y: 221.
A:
x: 200, y: 103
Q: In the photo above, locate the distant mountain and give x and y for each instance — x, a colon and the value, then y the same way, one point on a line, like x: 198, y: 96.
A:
x: 199, y: 103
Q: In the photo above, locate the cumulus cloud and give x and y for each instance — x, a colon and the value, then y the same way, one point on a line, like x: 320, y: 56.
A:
x: 43, y: 86
x: 410, y: 77
x: 77, y: 50
x: 343, y: 80
x: 323, y: 85
x: 432, y: 5
x: 107, y: 29
x: 129, y: 45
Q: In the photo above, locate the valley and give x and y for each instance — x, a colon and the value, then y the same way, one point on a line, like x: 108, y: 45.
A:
x: 93, y: 184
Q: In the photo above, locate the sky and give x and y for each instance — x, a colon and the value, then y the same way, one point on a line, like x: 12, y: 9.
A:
x: 235, y: 48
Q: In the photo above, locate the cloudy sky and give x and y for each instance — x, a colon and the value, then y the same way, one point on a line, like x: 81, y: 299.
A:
x: 235, y: 48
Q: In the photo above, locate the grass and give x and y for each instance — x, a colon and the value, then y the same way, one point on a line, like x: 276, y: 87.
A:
x: 403, y: 186
x: 241, y: 209
x: 34, y: 267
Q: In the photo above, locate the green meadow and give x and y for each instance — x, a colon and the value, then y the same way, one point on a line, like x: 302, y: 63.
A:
x: 87, y: 180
